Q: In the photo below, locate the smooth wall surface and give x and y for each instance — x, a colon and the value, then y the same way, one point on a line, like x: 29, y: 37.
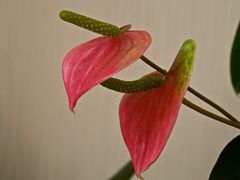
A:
x: 40, y: 139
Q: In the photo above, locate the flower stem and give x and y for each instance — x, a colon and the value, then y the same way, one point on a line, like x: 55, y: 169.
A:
x: 209, y: 114
x: 213, y: 104
x: 202, y: 97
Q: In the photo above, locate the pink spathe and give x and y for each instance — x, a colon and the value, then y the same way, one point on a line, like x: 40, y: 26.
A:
x: 147, y: 118
x: 95, y: 61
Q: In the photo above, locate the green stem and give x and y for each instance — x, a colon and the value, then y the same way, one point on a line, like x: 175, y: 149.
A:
x: 202, y: 97
x: 213, y: 104
x: 210, y: 114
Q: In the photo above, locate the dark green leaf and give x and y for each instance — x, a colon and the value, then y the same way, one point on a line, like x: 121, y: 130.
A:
x: 235, y: 62
x: 125, y: 173
x: 227, y: 166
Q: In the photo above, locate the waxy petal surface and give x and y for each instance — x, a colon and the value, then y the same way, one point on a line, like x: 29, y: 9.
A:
x: 147, y: 118
x: 95, y: 61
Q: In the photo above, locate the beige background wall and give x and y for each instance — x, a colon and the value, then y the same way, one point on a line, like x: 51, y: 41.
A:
x: 41, y: 140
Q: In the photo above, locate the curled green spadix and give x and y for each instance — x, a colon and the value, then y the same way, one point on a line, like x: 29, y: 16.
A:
x: 91, y: 24
x: 140, y: 85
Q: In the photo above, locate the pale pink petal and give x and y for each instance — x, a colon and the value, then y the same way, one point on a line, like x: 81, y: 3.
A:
x: 95, y: 61
x: 147, y: 118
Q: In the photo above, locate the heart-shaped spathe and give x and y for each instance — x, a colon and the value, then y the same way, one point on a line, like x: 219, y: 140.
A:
x: 147, y: 118
x: 95, y: 61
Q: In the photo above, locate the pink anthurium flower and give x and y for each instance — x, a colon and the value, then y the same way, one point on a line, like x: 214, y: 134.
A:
x: 96, y: 60
x: 147, y: 118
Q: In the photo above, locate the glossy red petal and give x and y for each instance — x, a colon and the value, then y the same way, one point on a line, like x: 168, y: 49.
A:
x: 95, y: 61
x: 147, y: 118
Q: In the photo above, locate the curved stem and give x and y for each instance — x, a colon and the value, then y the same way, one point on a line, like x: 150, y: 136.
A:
x: 213, y: 104
x: 154, y: 66
x: 202, y: 97
x: 209, y: 114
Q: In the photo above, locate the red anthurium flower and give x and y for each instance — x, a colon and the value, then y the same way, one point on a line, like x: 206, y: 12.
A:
x: 147, y: 118
x: 95, y: 61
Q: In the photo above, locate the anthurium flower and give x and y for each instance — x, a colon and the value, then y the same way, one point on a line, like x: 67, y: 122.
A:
x: 95, y: 61
x: 147, y: 118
